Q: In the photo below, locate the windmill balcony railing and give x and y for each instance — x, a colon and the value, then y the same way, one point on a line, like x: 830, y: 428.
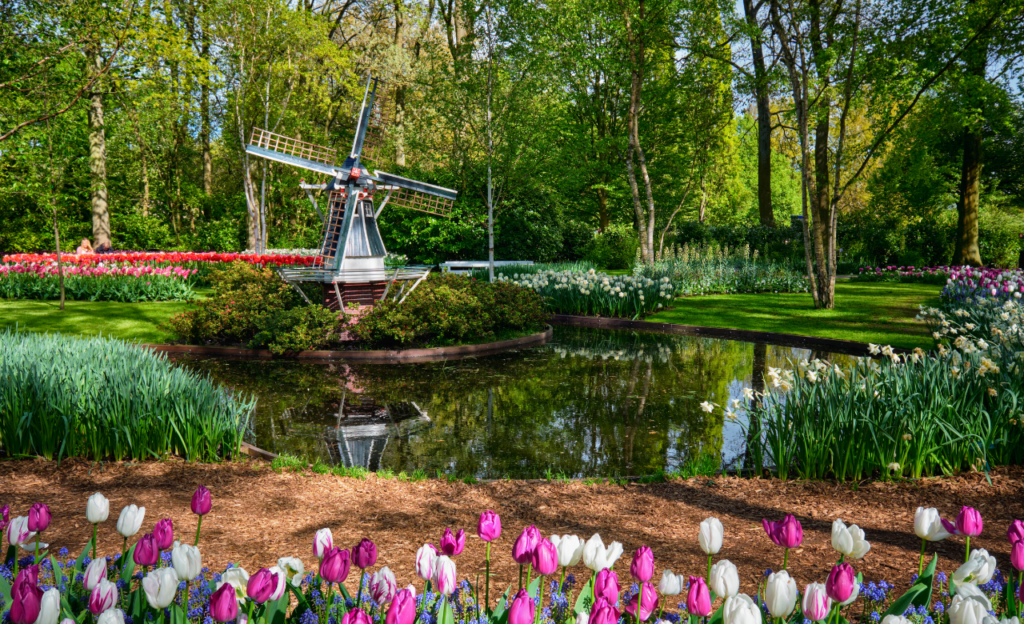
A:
x: 328, y: 276
x: 294, y: 147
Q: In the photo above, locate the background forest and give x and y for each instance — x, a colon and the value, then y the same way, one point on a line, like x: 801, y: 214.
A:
x: 612, y: 128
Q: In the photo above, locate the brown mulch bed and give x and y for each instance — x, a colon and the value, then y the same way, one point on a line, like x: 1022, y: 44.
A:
x: 259, y: 515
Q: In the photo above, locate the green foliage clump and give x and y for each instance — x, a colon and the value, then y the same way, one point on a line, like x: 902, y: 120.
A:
x: 254, y: 307
x: 450, y: 309
x: 613, y: 249
x: 101, y: 398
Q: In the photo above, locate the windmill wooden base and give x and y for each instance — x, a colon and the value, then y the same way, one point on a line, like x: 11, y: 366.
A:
x: 338, y: 296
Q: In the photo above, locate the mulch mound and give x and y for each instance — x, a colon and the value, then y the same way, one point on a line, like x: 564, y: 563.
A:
x: 259, y: 515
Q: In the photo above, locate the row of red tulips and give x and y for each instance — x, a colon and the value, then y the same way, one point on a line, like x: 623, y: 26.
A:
x: 160, y: 257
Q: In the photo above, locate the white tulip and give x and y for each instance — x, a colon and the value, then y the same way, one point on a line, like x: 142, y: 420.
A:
x: 68, y: 621
x: 18, y: 533
x: 111, y: 616
x: 970, y: 590
x: 322, y: 542
x: 928, y: 525
x: 582, y: 618
x: 237, y: 578
x: 978, y: 569
x: 94, y: 573
x: 383, y: 586
x: 160, y: 586
x: 850, y: 540
x: 780, y: 594
x: 597, y: 557
x: 569, y: 548
x: 426, y: 561
x: 294, y: 568
x: 724, y: 579
x: 97, y: 508
x: 280, y: 582
x: 896, y: 619
x: 671, y: 584
x: 710, y: 536
x: 187, y: 561
x: 49, y: 607
x: 992, y: 620
x: 967, y: 610
x: 740, y: 609
x: 130, y: 521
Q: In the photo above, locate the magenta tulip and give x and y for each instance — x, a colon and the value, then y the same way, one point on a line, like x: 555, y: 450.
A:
x: 26, y: 597
x: 642, y: 567
x: 1020, y: 592
x: 522, y: 609
x: 488, y: 528
x: 968, y: 522
x: 522, y: 550
x: 603, y: 613
x: 147, y: 552
x: 452, y: 545
x: 649, y: 604
x: 787, y: 533
x: 163, y: 532
x: 698, y: 599
x: 841, y: 582
x: 260, y: 586
x: 402, y: 609
x: 545, y: 558
x: 1017, y: 555
x: 1015, y: 533
x: 335, y: 565
x: 356, y: 616
x: 364, y: 554
x: 201, y: 501
x: 5, y: 518
x: 38, y: 517
x: 224, y: 603
x: 606, y: 585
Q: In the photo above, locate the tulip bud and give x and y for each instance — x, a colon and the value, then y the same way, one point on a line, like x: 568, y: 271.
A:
x: 928, y: 525
x: 187, y: 561
x: 335, y: 565
x: 403, y: 608
x: 649, y: 604
x: 280, y: 582
x: 968, y: 522
x: 642, y: 567
x: 522, y: 549
x: 1014, y: 533
x: 698, y: 599
x: 452, y: 545
x: 95, y: 572
x: 163, y: 533
x: 849, y: 541
x: 522, y: 609
x: 786, y: 533
x: 147, y: 553
x: 978, y: 569
x: 545, y: 558
x: 224, y: 604
x: 260, y: 586
x: 489, y: 526
x: 323, y: 541
x: 606, y: 585
x: 816, y: 604
x: 18, y: 532
x: 97, y: 508
x: 356, y: 616
x: 444, y: 575
x: 294, y: 568
x: 160, y: 586
x: 1017, y: 555
x: 841, y: 583
x: 102, y: 597
x: 710, y: 535
x: 130, y: 520
x: 724, y: 579
x: 202, y: 503
x: 110, y: 616
x: 38, y: 517
x: 426, y: 561
x: 26, y: 597
x: 671, y: 584
x: 740, y: 609
x: 780, y: 594
x: 364, y: 554
x: 383, y: 586
x: 597, y: 557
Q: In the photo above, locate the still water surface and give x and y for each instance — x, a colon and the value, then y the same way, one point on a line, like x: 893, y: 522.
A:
x: 589, y: 403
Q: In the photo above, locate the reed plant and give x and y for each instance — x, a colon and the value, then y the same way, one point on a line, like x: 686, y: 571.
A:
x: 100, y: 398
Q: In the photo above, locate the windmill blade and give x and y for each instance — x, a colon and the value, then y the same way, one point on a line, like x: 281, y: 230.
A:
x: 381, y: 116
x: 416, y: 195
x: 289, y: 151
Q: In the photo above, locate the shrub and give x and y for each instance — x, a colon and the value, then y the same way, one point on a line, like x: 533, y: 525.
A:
x: 101, y: 398
x: 613, y: 249
x: 448, y: 309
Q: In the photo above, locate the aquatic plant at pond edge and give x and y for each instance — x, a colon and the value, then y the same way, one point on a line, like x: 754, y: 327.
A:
x: 100, y: 398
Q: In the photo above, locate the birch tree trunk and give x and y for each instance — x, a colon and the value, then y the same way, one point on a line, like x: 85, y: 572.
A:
x: 98, y: 160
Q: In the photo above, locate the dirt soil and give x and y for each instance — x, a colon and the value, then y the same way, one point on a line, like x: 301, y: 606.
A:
x: 259, y: 515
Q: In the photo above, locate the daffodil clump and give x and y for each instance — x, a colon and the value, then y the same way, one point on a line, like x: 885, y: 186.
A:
x: 596, y: 294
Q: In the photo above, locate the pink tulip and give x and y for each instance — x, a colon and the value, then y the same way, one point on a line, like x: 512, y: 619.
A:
x: 642, y: 567
x: 787, y: 533
x: 603, y: 613
x: 545, y: 558
x: 102, y: 597
x: 522, y: 549
x: 698, y: 599
x: 224, y: 604
x: 335, y: 565
x: 488, y: 528
x: 163, y: 533
x: 452, y: 545
x: 38, y: 517
x: 26, y: 597
x: 356, y: 616
x: 261, y: 586
x: 364, y: 554
x: 1017, y: 555
x: 816, y: 603
x: 968, y: 522
x: 840, y: 583
x: 147, y: 553
x: 1015, y: 533
x: 606, y: 585
x: 649, y: 605
x: 522, y: 609
x: 5, y: 517
x: 202, y: 503
x: 403, y: 608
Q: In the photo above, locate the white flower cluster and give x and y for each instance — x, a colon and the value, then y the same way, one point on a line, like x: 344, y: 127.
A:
x: 590, y: 292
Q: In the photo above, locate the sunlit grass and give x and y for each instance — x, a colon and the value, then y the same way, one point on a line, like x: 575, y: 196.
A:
x: 128, y: 321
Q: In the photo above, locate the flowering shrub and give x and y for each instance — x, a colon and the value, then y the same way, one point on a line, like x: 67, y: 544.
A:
x: 966, y: 283
x: 173, y: 586
x: 99, y: 282
x: 592, y: 293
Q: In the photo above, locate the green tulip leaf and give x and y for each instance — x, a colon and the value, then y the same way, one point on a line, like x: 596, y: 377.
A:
x: 446, y: 616
x: 900, y: 604
x: 177, y: 614
x: 276, y: 610
x: 345, y: 594
x: 5, y: 590
x: 58, y: 572
x: 534, y: 587
x: 926, y: 581
x: 501, y: 609
x: 586, y: 594
x: 298, y: 596
x: 129, y: 566
x: 12, y: 552
x: 80, y: 562
x: 716, y: 617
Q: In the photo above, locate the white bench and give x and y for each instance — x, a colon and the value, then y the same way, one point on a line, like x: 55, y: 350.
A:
x: 465, y: 266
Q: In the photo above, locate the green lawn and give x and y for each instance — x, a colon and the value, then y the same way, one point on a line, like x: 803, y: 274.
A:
x: 130, y: 321
x: 865, y: 312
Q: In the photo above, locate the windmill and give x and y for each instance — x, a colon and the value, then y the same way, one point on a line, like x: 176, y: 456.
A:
x: 350, y: 265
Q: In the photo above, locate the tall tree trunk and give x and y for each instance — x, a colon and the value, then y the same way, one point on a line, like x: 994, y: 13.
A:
x: 821, y: 206
x: 644, y: 218
x: 602, y: 208
x: 764, y: 121
x: 204, y: 134
x: 98, y: 160
x: 966, y: 250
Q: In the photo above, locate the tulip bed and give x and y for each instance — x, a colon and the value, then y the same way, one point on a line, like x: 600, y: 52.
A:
x: 160, y: 258
x: 161, y: 578
x: 967, y: 284
x: 126, y: 284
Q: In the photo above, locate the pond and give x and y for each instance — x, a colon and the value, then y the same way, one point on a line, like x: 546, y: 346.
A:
x: 589, y: 403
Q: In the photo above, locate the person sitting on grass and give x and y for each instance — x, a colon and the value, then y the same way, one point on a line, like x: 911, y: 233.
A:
x: 85, y: 247
x: 103, y: 248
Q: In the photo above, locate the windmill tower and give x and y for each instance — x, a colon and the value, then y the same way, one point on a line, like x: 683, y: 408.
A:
x: 350, y: 265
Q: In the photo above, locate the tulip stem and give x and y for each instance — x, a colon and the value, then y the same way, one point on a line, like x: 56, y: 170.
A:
x: 561, y: 584
x: 529, y: 573
x: 199, y: 526
x: 36, y: 560
x: 359, y: 597
x: 487, y: 582
x: 124, y: 552
x: 709, y: 569
x: 967, y: 546
x: 540, y: 606
x: 94, y: 542
x: 520, y: 576
x: 785, y: 559
x: 640, y: 599
x: 920, y: 563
